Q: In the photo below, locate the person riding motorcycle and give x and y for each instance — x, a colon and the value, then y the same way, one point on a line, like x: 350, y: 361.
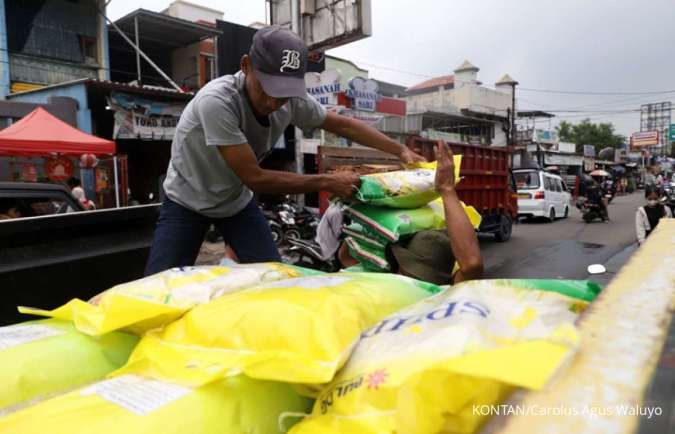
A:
x: 596, y: 195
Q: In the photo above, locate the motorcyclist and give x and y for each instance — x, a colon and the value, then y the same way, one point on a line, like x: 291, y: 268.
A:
x: 595, y: 195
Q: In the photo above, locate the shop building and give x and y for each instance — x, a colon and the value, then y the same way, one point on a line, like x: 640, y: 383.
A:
x: 51, y: 41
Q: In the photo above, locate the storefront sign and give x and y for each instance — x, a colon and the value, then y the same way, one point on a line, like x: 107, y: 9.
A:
x: 544, y: 136
x: 589, y: 151
x: 647, y: 138
x: 371, y: 120
x: 29, y: 173
x: 324, y: 86
x: 364, y: 93
x: 144, y: 119
x: 59, y: 168
x: 563, y: 160
x: 155, y: 127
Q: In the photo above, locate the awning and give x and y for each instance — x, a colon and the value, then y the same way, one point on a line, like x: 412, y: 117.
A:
x: 40, y: 133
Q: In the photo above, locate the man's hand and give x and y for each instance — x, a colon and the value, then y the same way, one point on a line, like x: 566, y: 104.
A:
x: 445, y: 169
x: 343, y: 184
x: 409, y: 157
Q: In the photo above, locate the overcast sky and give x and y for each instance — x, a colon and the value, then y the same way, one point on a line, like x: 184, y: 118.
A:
x: 612, y: 46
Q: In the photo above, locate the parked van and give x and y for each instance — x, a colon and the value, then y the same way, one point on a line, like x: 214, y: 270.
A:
x: 541, y: 194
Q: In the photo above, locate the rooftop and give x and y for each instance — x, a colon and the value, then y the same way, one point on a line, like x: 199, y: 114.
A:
x: 113, y: 85
x: 534, y: 114
x: 467, y: 66
x: 506, y: 79
x: 159, y: 30
x: 435, y: 82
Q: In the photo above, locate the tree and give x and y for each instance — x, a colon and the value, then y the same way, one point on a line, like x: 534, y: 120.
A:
x: 600, y: 135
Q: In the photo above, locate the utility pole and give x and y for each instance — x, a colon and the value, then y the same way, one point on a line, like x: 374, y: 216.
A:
x: 513, y: 112
x: 296, y: 27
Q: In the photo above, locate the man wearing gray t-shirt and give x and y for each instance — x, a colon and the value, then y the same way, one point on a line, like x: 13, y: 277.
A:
x: 224, y: 131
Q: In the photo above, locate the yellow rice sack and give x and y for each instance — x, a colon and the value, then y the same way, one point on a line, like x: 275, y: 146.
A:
x: 298, y: 330
x: 410, y: 188
x: 135, y: 405
x: 164, y: 297
x: 423, y: 369
x: 41, y: 358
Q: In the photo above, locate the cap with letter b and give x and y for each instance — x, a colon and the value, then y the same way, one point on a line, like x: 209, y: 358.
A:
x: 279, y: 59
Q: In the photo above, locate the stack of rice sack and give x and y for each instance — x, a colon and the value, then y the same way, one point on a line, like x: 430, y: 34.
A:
x: 393, y: 206
x: 84, y: 342
x: 233, y: 363
x: 326, y: 353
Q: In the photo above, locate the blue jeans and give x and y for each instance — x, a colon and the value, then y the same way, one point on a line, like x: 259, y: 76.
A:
x: 180, y: 233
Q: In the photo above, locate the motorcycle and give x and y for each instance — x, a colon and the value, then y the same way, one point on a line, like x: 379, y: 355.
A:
x: 289, y: 221
x: 590, y: 211
x: 307, y: 254
x: 668, y: 196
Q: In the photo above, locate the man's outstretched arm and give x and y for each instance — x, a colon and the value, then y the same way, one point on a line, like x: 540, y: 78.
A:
x: 363, y: 134
x: 460, y: 231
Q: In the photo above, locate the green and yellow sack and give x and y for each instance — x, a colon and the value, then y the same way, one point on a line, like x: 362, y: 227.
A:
x: 410, y: 188
x: 423, y: 369
x: 389, y: 225
x: 298, y: 330
x: 372, y: 258
x: 157, y: 300
x: 47, y: 357
x: 133, y: 404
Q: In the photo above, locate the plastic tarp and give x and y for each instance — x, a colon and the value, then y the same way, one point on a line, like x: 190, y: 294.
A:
x: 39, y: 133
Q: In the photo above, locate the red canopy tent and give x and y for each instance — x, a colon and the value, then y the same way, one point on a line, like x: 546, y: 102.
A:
x: 39, y: 133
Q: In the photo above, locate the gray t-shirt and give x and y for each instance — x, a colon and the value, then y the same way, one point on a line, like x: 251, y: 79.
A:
x: 220, y: 115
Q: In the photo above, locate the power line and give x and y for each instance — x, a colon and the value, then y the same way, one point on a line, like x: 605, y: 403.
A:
x: 575, y: 92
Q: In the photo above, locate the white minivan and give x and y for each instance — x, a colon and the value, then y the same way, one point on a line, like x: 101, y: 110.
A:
x: 541, y: 194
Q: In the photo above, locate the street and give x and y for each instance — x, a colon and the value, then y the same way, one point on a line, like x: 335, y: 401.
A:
x: 563, y: 249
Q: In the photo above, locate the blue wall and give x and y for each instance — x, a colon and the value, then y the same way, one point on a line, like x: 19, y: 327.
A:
x: 4, y: 55
x: 77, y: 91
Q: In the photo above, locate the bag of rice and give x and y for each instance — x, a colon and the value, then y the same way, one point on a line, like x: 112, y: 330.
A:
x: 133, y: 404
x: 585, y: 290
x: 389, y: 225
x: 46, y: 357
x: 298, y: 330
x: 423, y: 369
x: 372, y: 258
x: 409, y: 188
x: 164, y: 297
x: 356, y: 231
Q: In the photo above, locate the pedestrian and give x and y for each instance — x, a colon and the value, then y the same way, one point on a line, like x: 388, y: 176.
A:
x: 430, y: 255
x: 648, y: 216
x: 222, y: 134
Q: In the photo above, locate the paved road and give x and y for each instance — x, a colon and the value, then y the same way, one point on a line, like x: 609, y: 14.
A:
x: 564, y: 248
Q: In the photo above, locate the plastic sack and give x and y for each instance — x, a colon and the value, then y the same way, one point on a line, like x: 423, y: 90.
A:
x: 389, y: 225
x: 585, y: 290
x: 164, y: 297
x: 372, y: 258
x: 355, y: 231
x: 298, y: 330
x: 135, y: 405
x: 46, y: 357
x: 423, y: 369
x: 409, y: 188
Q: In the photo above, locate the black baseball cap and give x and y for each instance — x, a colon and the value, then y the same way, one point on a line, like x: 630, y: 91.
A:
x: 279, y: 59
